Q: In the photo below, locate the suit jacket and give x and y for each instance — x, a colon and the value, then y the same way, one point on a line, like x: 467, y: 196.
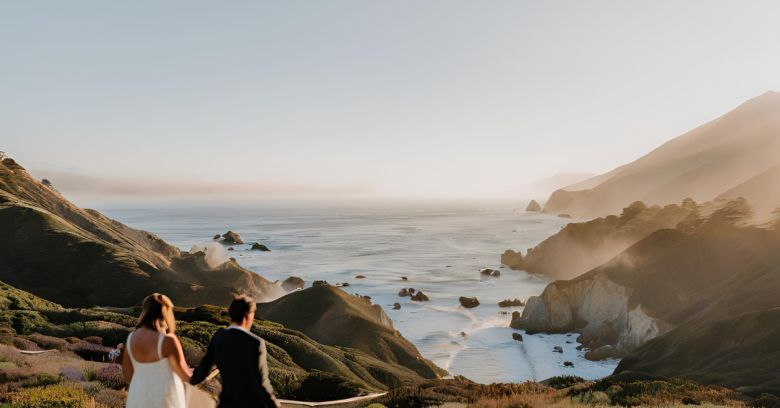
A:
x: 240, y: 357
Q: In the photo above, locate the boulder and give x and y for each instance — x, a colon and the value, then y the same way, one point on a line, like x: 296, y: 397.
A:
x: 468, y: 302
x: 510, y: 303
x: 404, y: 292
x: 345, y: 284
x: 568, y: 364
x: 601, y: 353
x: 597, y: 334
x: 320, y: 283
x: 292, y: 283
x: 260, y: 247
x: 230, y: 249
x: 232, y: 238
x: 564, y: 216
x: 360, y: 277
x: 420, y: 297
x: 216, y: 237
x: 517, y: 336
x: 558, y: 349
x: 533, y: 206
x: 396, y: 306
x: 404, y: 278
x: 411, y: 291
x: 490, y: 272
x: 513, y: 259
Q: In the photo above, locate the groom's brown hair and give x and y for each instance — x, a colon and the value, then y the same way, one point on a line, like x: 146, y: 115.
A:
x: 242, y: 306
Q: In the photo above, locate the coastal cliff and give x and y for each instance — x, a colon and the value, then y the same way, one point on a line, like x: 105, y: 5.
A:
x: 729, y: 153
x: 80, y: 258
x: 580, y: 247
x: 651, y: 302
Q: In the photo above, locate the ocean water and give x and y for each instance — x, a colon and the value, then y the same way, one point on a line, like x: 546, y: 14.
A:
x: 440, y: 251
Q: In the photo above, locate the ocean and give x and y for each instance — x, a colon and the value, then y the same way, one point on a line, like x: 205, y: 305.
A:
x: 439, y: 248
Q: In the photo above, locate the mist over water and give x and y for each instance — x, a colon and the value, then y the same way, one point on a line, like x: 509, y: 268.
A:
x: 439, y: 249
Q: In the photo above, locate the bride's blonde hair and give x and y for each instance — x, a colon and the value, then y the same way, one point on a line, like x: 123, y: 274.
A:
x: 157, y: 314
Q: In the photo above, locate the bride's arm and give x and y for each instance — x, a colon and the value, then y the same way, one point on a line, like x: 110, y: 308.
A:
x: 171, y: 348
x: 127, y: 366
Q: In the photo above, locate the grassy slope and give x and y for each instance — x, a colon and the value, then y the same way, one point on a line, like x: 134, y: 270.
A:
x: 81, y: 258
x: 331, y: 316
x: 292, y: 355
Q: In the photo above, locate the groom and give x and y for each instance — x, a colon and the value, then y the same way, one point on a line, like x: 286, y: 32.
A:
x: 240, y: 357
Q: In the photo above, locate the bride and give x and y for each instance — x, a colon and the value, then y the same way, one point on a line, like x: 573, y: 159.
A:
x: 156, y: 369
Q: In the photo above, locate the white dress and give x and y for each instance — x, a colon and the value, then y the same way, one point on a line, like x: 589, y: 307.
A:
x: 154, y: 385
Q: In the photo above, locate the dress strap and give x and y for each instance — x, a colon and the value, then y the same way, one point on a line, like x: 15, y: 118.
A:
x: 129, y: 350
x: 159, y: 345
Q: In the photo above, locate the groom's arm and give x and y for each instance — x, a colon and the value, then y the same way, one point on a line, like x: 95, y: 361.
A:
x: 260, y: 379
x: 206, y: 365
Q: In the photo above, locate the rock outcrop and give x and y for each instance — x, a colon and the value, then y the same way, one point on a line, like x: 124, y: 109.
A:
x: 533, y: 206
x: 682, y: 302
x: 293, y: 283
x: 320, y: 283
x: 420, y: 297
x: 489, y: 272
x: 231, y: 237
x: 260, y: 247
x: 468, y: 302
x: 514, y: 260
x: 510, y: 303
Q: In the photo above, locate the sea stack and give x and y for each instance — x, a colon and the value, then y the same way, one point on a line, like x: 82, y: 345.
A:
x: 468, y: 302
x: 232, y: 238
x: 533, y: 206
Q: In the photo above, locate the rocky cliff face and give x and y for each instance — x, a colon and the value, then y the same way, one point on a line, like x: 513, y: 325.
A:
x: 80, y: 258
x: 654, y: 301
x: 580, y: 247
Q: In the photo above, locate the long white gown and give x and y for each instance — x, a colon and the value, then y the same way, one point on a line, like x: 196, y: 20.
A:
x: 154, y: 385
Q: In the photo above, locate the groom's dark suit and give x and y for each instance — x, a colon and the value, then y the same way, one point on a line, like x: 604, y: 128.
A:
x: 240, y: 357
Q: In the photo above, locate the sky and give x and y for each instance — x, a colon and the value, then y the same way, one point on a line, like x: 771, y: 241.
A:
x: 387, y: 99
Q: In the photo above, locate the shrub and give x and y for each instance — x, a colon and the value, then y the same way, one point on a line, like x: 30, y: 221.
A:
x: 564, y: 381
x: 89, y: 372
x: 111, y: 333
x: 767, y: 401
x: 322, y: 386
x: 111, y: 376
x: 12, y: 355
x: 72, y: 373
x: 285, y: 383
x: 55, y: 396
x: 72, y: 340
x: 42, y: 379
x: 24, y: 344
x: 91, y: 351
x: 48, y: 342
x: 111, y: 398
x: 193, y: 356
x: 94, y: 340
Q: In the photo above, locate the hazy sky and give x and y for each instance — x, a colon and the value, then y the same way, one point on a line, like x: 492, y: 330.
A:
x: 409, y: 98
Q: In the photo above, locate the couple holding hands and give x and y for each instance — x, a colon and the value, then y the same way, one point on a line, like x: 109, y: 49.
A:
x: 157, y: 371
